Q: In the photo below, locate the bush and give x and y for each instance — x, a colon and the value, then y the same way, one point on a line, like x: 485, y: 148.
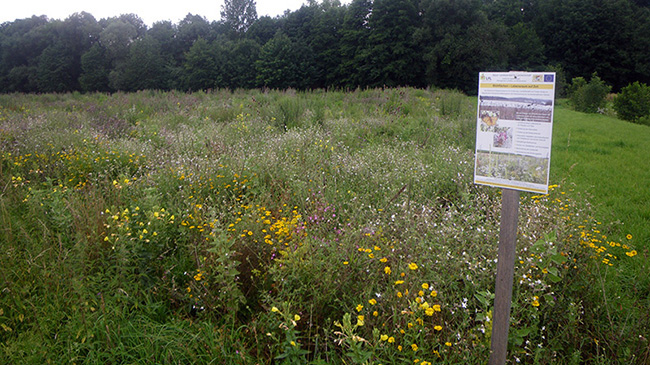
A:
x: 588, y: 97
x: 633, y: 103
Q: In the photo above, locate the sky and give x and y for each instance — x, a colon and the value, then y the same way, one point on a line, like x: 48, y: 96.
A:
x: 150, y: 11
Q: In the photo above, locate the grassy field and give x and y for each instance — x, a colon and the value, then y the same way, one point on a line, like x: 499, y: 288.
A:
x: 323, y: 227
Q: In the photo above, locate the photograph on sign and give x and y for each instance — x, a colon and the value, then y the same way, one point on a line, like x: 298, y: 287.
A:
x: 514, y: 130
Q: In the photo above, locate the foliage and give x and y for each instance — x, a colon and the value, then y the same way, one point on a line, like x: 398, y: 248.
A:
x: 439, y: 43
x: 284, y: 63
x: 292, y: 227
x: 588, y: 97
x: 239, y: 15
x: 633, y: 103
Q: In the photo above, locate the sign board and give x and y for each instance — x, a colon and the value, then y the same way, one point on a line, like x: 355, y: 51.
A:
x: 514, y: 130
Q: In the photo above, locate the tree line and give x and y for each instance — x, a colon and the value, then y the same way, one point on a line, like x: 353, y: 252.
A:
x: 367, y: 43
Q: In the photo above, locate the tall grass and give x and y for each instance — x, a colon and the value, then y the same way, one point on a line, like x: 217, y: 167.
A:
x: 288, y: 227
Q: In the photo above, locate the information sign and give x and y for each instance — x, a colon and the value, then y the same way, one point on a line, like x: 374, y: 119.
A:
x: 514, y: 130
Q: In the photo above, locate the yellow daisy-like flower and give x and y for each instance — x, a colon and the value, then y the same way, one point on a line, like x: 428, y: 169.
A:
x: 629, y: 236
x: 631, y: 253
x: 383, y: 259
x: 429, y: 311
x: 438, y: 328
x: 384, y: 338
x: 414, y: 347
x: 372, y: 301
x: 421, y: 293
x: 375, y: 314
x: 387, y: 270
x: 399, y: 348
x: 535, y: 302
x: 413, y: 266
x: 399, y: 294
x: 436, y: 307
x: 425, y: 286
x: 359, y: 308
x: 434, y: 294
x: 391, y: 339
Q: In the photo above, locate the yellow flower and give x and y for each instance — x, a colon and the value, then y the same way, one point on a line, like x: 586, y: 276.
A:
x: 398, y: 282
x: 631, y: 253
x: 421, y: 293
x: 399, y: 348
x: 360, y: 320
x: 629, y: 236
x: 436, y: 307
x: 425, y: 286
x: 413, y: 266
x: 448, y: 344
x: 359, y: 308
x: 383, y: 259
x: 438, y: 328
x: 414, y: 347
x: 399, y: 294
x: 391, y: 339
x: 384, y: 338
x: 375, y: 314
x: 345, y: 262
x: 535, y: 302
x: 387, y: 270
x: 372, y: 301
x: 293, y: 343
x: 275, y: 309
x: 434, y: 294
x: 429, y: 312
x: 296, y: 318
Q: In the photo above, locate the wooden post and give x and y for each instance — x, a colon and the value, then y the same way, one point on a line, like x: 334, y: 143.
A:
x: 505, y: 276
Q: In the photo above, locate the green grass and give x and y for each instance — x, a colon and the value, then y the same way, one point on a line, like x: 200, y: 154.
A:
x: 607, y: 158
x: 257, y: 227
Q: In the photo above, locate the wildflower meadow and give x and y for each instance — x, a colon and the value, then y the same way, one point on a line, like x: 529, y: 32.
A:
x: 285, y: 227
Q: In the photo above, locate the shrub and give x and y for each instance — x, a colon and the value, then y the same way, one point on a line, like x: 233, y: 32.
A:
x: 588, y: 97
x: 633, y: 103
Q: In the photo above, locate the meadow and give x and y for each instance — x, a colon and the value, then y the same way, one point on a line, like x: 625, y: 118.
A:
x: 273, y: 227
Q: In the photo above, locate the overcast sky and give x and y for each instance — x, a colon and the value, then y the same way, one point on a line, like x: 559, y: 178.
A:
x: 149, y: 10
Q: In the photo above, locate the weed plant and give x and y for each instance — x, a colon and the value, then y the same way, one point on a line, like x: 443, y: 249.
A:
x: 287, y: 227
